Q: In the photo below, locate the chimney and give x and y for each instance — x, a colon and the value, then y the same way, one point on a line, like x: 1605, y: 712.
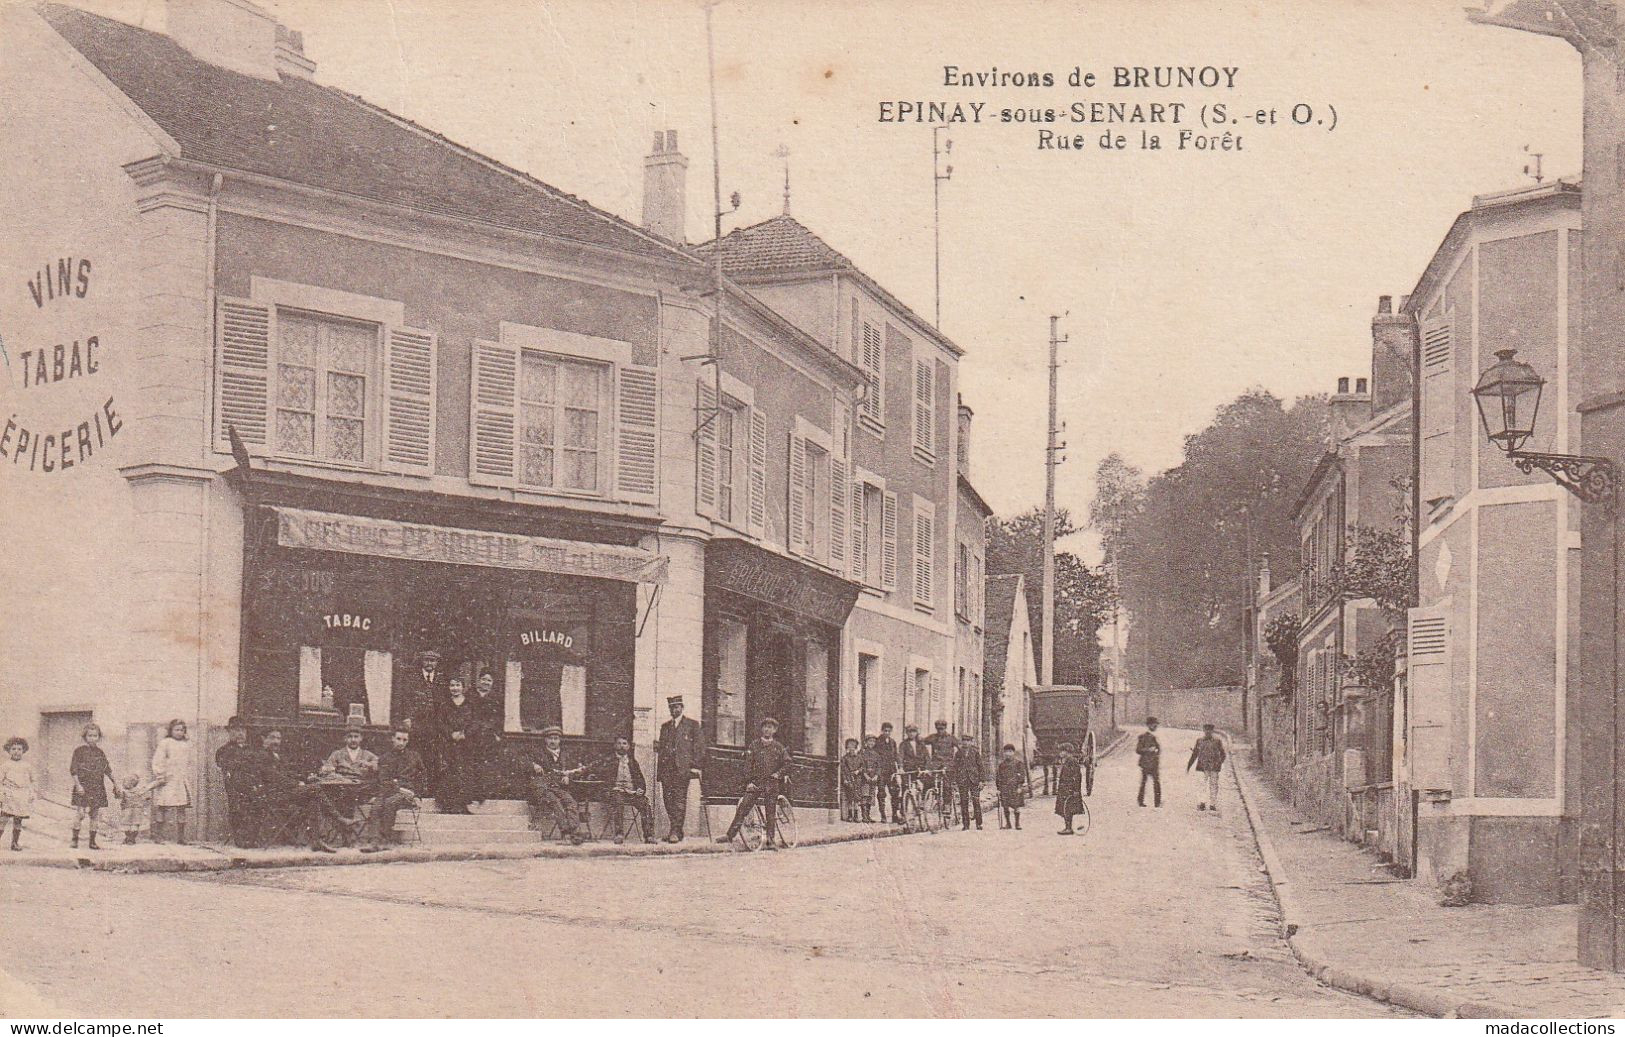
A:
x: 290, y: 54
x: 1349, y: 410
x: 1264, y: 576
x: 965, y: 414
x: 234, y: 34
x: 1393, y: 346
x: 665, y: 189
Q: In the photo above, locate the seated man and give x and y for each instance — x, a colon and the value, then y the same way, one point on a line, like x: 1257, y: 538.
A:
x: 351, y: 761
x: 549, y: 786
x: 624, y: 786
x: 400, y: 775
x: 767, y: 764
x: 278, y: 797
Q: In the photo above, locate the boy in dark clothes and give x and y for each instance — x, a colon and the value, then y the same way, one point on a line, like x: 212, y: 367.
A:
x: 1011, y: 779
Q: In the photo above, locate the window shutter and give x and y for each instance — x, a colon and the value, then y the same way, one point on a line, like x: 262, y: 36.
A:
x: 1428, y: 684
x: 924, y: 562
x: 243, y: 370
x: 925, y: 392
x: 637, y: 420
x: 839, y: 480
x: 758, y: 472
x: 872, y: 360
x: 494, y: 395
x: 888, y: 542
x: 797, y: 505
x: 858, y: 515
x: 1438, y: 408
x: 705, y: 449
x: 411, y: 368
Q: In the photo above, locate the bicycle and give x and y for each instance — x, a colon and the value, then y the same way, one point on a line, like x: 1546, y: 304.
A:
x: 753, y: 831
x: 922, y: 802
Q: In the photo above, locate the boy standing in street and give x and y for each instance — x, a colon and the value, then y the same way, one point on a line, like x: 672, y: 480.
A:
x: 1150, y: 753
x: 1011, y: 779
x: 1207, y: 756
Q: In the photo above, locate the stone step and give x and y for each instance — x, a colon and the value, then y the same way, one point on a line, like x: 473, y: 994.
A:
x: 490, y: 806
x: 473, y: 822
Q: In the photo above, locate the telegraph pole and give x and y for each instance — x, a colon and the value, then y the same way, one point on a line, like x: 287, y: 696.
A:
x: 939, y: 173
x: 1046, y: 664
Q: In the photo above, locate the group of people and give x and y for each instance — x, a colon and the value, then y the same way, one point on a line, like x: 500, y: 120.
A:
x: 1207, y: 756
x: 875, y: 774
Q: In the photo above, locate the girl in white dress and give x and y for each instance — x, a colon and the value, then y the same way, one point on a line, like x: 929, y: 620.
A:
x: 16, y: 789
x: 173, y: 766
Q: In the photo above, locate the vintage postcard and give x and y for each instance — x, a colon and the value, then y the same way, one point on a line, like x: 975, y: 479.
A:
x: 807, y: 509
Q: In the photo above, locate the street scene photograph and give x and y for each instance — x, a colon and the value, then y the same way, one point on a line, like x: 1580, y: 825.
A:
x: 807, y: 509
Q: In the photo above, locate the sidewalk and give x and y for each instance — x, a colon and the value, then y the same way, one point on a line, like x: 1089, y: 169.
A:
x: 45, y: 846
x: 1356, y: 927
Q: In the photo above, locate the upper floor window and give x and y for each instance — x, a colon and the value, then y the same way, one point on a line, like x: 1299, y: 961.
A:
x: 962, y: 565
x: 816, y: 527
x: 562, y: 426
x: 925, y: 410
x: 324, y: 376
x: 869, y: 354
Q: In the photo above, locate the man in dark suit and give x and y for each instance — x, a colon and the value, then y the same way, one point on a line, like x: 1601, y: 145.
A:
x: 422, y: 692
x: 622, y: 780
x: 550, y: 786
x: 677, y: 759
x: 968, y: 777
x: 885, y: 783
x: 401, y: 776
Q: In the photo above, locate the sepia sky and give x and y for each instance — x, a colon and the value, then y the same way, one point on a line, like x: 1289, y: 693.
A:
x: 1187, y: 277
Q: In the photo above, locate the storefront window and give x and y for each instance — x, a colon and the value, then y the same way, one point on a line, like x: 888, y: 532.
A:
x: 335, y: 678
x: 323, y: 370
x: 561, y: 422
x: 731, y: 641
x: 550, y: 692
x: 816, y: 725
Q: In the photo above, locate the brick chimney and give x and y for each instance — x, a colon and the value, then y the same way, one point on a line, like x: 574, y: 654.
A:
x: 238, y: 35
x: 1264, y: 576
x: 1349, y: 409
x: 965, y: 415
x: 665, y: 189
x: 1393, y: 345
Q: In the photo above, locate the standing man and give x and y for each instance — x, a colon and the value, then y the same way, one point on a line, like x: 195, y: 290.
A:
x: 886, y: 773
x: 677, y: 759
x: 233, y: 759
x: 1207, y: 755
x: 1150, y: 753
x: 967, y: 774
x: 400, y: 776
x: 943, y: 745
x: 422, y: 692
x: 550, y: 786
x: 767, y: 762
x: 487, y: 737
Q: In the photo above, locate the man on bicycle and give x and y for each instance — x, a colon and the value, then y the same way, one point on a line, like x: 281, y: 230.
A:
x: 767, y: 763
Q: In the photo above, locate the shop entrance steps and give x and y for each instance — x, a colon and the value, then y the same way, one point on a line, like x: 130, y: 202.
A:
x: 494, y: 821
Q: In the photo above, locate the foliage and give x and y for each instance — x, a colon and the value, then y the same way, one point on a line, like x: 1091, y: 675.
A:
x: 1377, y: 566
x: 1178, y: 543
x: 1373, y: 667
x: 1281, y: 637
x: 1083, y: 596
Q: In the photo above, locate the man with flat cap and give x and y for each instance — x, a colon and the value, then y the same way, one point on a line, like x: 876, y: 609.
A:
x: 550, y: 786
x: 677, y: 759
x: 767, y: 764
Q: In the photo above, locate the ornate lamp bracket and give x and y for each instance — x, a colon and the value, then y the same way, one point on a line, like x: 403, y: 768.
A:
x: 1592, y: 479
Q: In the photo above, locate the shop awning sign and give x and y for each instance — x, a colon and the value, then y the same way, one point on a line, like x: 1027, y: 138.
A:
x: 412, y: 541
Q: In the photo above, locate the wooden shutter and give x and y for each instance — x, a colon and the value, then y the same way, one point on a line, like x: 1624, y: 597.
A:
x: 888, y: 541
x: 872, y: 360
x: 795, y: 512
x: 637, y: 430
x: 705, y: 449
x: 925, y: 393
x: 858, y: 514
x: 245, y: 370
x: 1438, y: 408
x: 925, y: 524
x: 494, y: 397
x: 1428, y: 687
x: 839, y: 480
x: 758, y: 472
x: 411, y: 369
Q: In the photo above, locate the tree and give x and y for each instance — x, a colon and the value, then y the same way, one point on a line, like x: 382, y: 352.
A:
x: 1178, y: 547
x: 1083, y: 595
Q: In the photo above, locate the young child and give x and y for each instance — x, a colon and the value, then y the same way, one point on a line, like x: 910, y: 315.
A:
x: 871, y: 777
x: 16, y: 789
x: 1011, y: 781
x: 851, y: 781
x: 1069, y: 788
x: 135, y: 807
x: 91, y: 775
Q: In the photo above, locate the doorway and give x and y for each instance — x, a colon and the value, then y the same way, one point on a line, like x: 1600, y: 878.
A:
x: 60, y: 735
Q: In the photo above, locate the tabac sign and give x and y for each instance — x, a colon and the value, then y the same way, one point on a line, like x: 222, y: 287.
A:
x: 412, y: 541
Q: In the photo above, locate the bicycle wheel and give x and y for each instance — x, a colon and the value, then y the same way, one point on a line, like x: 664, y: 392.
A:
x: 788, y: 837
x: 1080, y: 824
x: 931, y: 808
x: 913, y: 818
x: 753, y: 833
x: 945, y: 808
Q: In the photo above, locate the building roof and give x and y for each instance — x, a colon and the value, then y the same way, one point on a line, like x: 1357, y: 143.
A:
x: 975, y: 498
x: 300, y: 131
x: 782, y: 249
x: 1002, y: 592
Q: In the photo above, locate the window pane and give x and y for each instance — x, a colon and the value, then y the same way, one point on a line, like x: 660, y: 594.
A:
x: 345, y: 393
x: 295, y: 432
x: 344, y: 439
x: 296, y: 387
x: 298, y: 339
x: 581, y: 429
x: 581, y: 385
x: 581, y: 469
x: 350, y: 346
x: 538, y: 380
x: 536, y: 466
x: 536, y: 425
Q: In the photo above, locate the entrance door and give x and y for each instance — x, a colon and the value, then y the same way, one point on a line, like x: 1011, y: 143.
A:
x: 774, y: 684
x: 60, y: 735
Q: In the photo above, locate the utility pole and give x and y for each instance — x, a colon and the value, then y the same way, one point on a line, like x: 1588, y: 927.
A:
x: 713, y: 354
x: 939, y: 173
x: 1046, y: 665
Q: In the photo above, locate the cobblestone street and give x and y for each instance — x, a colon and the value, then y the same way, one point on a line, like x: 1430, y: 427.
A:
x: 1154, y: 913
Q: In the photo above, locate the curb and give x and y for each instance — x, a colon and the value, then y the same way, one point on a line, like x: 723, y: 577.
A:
x: 227, y: 862
x: 1426, y: 1001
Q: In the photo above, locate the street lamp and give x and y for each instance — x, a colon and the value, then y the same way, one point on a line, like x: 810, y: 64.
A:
x: 1508, y: 398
